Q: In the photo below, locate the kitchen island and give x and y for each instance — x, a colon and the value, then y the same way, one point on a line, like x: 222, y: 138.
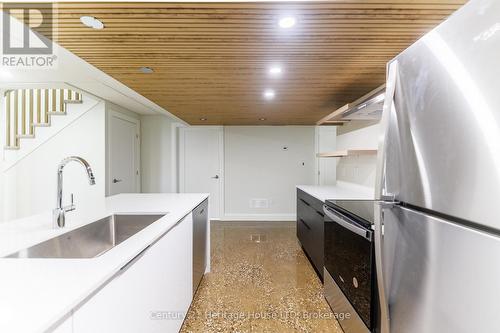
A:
x: 59, y: 295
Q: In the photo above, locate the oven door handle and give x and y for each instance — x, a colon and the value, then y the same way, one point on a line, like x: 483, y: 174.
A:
x: 339, y: 219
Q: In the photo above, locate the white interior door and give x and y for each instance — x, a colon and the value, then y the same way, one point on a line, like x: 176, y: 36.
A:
x: 200, y: 165
x: 123, y: 156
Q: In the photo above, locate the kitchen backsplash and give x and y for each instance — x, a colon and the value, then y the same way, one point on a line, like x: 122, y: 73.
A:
x: 361, y: 169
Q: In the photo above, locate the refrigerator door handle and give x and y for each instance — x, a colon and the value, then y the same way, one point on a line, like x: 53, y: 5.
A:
x: 381, y: 194
x: 390, y: 90
x: 379, y: 264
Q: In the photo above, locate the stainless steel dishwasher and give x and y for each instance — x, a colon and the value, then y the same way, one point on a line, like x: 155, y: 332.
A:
x: 200, y: 222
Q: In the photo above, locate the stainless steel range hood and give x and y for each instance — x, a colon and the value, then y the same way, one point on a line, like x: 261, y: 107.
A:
x: 367, y: 107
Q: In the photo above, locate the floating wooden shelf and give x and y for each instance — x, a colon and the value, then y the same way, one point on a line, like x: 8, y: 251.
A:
x: 348, y: 152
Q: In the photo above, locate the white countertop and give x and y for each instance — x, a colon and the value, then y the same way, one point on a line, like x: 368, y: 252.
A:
x: 37, y: 293
x: 342, y: 190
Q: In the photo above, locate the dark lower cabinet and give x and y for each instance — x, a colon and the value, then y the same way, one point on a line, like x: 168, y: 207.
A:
x: 310, y: 229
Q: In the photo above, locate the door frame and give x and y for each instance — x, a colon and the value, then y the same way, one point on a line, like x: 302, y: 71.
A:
x: 182, y: 156
x: 137, y: 157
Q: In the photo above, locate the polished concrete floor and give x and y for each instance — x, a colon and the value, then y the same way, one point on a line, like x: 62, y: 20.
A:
x: 261, y: 281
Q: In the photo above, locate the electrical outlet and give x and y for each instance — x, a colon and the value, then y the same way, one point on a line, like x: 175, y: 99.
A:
x: 259, y: 203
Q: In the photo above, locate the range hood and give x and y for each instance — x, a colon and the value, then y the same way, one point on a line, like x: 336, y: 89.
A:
x: 367, y: 107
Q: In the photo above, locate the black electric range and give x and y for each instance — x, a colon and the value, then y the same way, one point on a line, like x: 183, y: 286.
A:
x: 361, y: 210
x: 349, y: 275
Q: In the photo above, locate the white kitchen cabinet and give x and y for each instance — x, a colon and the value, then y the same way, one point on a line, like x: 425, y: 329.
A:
x: 152, y: 294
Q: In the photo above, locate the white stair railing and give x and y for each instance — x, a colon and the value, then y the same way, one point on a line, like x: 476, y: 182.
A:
x: 26, y: 109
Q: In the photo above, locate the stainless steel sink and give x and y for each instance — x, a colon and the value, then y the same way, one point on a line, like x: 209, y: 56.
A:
x: 91, y: 240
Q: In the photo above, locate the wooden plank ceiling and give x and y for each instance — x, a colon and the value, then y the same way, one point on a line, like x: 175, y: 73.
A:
x: 211, y: 60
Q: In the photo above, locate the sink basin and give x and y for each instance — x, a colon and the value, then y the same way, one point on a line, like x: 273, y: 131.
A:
x: 90, y: 240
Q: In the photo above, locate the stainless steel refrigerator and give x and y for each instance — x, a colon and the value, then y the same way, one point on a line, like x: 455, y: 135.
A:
x: 437, y: 233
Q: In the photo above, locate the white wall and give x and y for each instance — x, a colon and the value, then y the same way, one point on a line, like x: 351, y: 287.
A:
x: 2, y: 193
x: 257, y: 166
x: 359, y: 170
x: 326, y: 141
x: 2, y: 156
x: 30, y: 185
x: 159, y: 154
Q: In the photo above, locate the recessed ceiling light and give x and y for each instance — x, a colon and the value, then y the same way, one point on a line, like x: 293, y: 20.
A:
x: 287, y: 22
x: 203, y: 119
x: 146, y: 70
x: 262, y: 119
x: 269, y: 94
x: 92, y: 22
x: 275, y: 70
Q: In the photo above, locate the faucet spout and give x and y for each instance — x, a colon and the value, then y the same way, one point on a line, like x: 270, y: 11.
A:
x: 60, y: 210
x: 90, y: 175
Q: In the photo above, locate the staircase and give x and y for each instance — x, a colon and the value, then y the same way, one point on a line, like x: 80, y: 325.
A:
x: 27, y: 109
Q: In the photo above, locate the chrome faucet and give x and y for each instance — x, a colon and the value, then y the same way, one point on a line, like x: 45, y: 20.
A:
x: 60, y: 211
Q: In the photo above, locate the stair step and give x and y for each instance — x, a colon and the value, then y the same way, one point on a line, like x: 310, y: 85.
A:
x: 72, y: 97
x: 25, y: 136
x: 73, y: 101
x: 41, y: 125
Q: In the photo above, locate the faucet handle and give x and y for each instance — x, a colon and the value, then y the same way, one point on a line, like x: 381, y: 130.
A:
x: 71, y: 206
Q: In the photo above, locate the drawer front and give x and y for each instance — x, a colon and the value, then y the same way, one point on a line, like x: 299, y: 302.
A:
x: 310, y: 200
x: 316, y: 253
x: 304, y: 235
x: 304, y: 229
x: 311, y: 209
x: 310, y: 229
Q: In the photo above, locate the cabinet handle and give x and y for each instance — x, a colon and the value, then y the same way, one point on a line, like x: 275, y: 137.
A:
x: 134, y: 259
x: 320, y: 213
x: 304, y: 222
x: 305, y: 202
x: 202, y: 211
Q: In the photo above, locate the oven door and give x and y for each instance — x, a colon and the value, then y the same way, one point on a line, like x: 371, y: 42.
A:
x: 349, y: 261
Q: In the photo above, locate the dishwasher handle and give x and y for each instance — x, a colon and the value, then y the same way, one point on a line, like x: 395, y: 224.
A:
x: 347, y: 223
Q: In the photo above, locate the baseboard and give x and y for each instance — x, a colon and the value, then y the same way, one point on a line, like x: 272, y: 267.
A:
x: 258, y: 217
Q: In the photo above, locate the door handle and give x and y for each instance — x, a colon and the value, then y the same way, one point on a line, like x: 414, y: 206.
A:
x: 389, y: 108
x: 216, y: 177
x: 346, y: 224
x: 116, y: 180
x: 379, y: 262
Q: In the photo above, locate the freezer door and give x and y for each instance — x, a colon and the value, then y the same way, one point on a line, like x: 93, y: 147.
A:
x: 442, y: 142
x: 438, y: 276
